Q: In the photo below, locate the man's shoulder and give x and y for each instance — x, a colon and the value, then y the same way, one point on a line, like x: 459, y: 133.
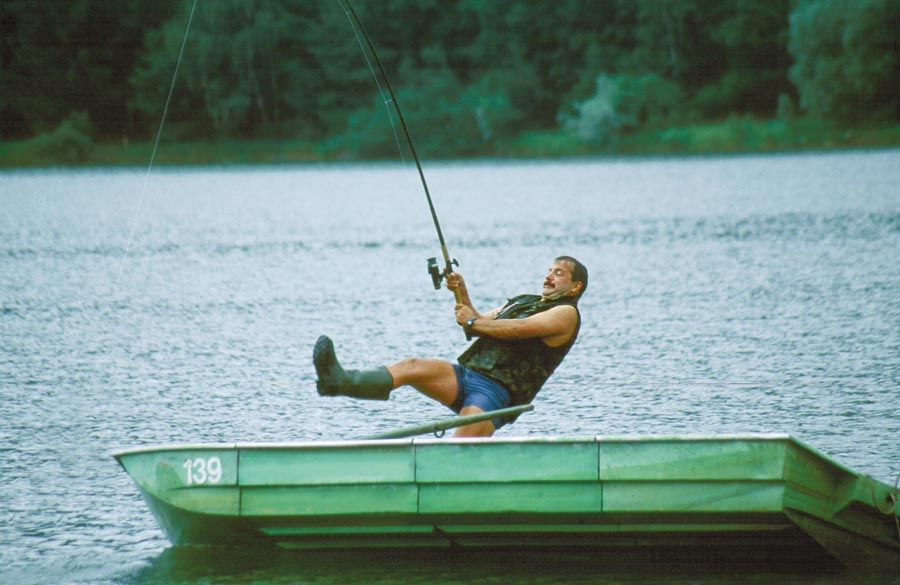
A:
x: 566, y: 309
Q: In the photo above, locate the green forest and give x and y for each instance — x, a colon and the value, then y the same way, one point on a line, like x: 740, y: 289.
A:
x: 86, y: 81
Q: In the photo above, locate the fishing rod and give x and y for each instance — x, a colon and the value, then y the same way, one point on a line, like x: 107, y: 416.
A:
x: 437, y: 275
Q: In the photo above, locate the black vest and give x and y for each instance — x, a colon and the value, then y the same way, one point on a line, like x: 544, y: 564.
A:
x: 520, y: 365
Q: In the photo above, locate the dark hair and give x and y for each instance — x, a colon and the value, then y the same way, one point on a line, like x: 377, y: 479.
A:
x: 579, y: 272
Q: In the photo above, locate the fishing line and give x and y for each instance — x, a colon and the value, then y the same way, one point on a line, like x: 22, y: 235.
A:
x: 155, y: 147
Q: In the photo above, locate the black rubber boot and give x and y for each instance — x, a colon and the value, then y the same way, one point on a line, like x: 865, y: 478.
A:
x: 333, y: 380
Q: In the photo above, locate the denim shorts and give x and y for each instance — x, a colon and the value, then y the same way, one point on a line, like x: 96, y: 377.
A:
x: 476, y: 389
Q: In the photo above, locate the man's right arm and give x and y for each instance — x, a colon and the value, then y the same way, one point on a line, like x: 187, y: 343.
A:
x: 555, y: 326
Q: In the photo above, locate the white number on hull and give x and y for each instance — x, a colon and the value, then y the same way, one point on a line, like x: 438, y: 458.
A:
x: 201, y: 471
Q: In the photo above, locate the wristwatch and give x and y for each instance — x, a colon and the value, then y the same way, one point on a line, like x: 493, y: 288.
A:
x: 470, y: 322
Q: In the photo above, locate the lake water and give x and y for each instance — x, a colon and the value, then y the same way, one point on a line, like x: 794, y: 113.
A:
x: 727, y: 295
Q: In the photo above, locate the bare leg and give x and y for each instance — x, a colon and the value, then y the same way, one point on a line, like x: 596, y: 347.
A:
x: 479, y: 429
x: 437, y: 380
x: 433, y: 378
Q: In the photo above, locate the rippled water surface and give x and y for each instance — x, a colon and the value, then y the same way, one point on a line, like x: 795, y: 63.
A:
x: 727, y: 295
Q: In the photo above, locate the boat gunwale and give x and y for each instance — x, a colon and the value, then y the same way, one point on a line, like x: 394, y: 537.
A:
x: 415, y: 441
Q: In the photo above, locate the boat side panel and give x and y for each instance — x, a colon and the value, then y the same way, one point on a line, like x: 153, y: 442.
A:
x: 539, y: 497
x: 667, y: 497
x: 506, y: 462
x: 691, y: 460
x: 329, y: 500
x: 223, y: 500
x: 371, y: 463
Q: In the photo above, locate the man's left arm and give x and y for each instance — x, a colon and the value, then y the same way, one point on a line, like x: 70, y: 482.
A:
x: 555, y: 326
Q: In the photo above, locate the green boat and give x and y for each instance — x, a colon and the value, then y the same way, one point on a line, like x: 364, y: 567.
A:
x: 742, y: 497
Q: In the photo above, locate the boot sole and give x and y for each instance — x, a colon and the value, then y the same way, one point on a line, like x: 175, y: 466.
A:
x: 323, y: 353
x: 323, y: 358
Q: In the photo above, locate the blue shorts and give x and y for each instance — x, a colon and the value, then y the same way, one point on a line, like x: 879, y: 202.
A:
x: 476, y: 389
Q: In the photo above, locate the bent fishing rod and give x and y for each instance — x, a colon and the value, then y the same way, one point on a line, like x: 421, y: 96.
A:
x: 437, y: 275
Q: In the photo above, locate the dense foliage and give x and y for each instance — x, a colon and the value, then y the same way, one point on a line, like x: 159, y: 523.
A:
x: 468, y: 73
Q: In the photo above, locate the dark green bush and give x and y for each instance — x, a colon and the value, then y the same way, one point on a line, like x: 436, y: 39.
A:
x: 69, y: 143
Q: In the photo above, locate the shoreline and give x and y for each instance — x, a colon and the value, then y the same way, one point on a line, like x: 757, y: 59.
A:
x: 732, y: 137
x: 461, y: 160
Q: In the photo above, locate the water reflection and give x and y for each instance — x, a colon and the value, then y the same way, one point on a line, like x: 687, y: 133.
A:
x: 193, y: 566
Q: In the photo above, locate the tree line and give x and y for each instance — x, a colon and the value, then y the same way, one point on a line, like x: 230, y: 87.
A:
x: 468, y: 73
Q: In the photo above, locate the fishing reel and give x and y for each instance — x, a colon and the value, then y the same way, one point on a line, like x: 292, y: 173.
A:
x: 436, y: 274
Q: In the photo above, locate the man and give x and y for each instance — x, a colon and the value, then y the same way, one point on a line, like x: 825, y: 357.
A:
x: 519, y: 345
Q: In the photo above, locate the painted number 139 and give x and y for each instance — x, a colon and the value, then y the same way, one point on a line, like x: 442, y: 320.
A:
x: 200, y: 471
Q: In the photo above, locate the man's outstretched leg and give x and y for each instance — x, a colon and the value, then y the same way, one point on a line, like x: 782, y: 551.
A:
x: 333, y: 380
x: 433, y: 378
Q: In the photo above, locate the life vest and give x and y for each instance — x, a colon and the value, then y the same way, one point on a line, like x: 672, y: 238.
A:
x: 520, y: 365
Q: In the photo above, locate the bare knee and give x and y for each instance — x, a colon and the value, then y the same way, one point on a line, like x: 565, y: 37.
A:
x: 410, y: 364
x: 435, y: 378
x: 415, y: 370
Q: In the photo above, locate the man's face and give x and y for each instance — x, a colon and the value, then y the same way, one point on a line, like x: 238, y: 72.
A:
x: 558, y: 282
